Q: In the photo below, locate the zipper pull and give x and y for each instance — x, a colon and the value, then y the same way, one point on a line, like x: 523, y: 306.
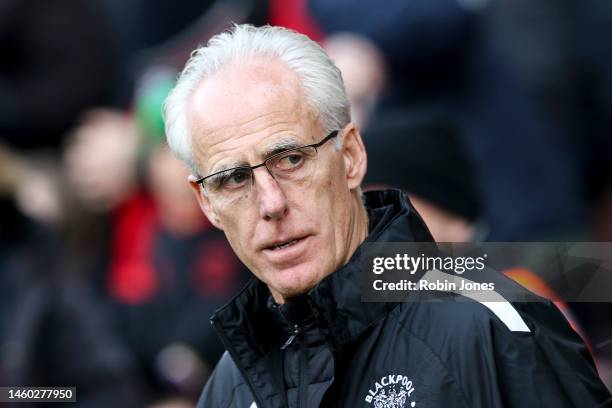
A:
x: 296, y: 332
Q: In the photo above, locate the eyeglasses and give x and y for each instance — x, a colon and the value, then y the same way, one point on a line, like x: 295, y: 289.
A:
x: 293, y: 165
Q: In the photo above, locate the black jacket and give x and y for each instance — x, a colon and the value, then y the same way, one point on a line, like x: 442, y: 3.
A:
x: 330, y: 349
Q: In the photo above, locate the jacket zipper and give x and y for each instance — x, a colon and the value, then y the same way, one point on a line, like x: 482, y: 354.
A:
x: 303, y: 376
x: 302, y: 397
x: 296, y: 332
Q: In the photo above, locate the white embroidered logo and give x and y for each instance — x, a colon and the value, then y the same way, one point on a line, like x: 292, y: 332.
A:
x: 391, y: 391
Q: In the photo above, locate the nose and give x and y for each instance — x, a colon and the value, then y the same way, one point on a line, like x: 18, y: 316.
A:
x: 271, y: 199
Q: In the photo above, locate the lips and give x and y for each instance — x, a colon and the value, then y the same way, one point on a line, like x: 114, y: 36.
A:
x: 282, y: 244
x: 287, y: 250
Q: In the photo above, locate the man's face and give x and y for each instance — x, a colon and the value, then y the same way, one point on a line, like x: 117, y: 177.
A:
x: 240, y: 116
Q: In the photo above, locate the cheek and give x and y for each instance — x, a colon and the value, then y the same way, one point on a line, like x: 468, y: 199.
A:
x: 336, y: 176
x: 238, y: 234
x: 326, y: 184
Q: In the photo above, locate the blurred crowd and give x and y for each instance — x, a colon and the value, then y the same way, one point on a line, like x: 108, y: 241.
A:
x: 494, y: 116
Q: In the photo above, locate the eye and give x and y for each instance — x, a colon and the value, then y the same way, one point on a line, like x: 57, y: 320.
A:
x: 290, y: 161
x: 235, y: 178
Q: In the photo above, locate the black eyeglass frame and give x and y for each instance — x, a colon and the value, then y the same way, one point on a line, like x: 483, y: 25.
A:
x: 284, y: 152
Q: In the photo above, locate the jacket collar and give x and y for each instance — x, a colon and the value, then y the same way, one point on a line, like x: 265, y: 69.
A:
x: 245, y: 325
x: 337, y: 298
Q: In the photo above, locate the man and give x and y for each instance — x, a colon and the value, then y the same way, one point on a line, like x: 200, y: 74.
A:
x: 261, y: 117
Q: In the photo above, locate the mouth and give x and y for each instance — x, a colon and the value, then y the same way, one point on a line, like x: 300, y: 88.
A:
x: 287, y: 250
x: 283, y: 245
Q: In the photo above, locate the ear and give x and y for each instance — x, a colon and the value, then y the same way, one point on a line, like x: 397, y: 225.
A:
x: 355, y: 158
x: 204, y: 203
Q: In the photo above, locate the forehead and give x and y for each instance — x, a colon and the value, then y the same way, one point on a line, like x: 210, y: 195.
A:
x: 242, y: 108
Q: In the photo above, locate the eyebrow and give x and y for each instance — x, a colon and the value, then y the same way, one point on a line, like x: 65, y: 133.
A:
x: 215, y: 177
x: 228, y: 166
x: 281, y: 146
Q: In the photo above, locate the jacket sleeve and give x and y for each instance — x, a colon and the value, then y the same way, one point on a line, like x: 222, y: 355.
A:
x: 226, y: 387
x: 548, y: 366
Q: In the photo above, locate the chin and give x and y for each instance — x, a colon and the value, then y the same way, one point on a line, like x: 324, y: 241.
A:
x: 295, y: 281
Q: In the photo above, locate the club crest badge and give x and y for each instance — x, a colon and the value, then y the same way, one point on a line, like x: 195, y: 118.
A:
x: 391, y: 391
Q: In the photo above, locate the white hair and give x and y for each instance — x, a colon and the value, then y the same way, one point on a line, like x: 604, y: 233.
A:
x: 321, y: 80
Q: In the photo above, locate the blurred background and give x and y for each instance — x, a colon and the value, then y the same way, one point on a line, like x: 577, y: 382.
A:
x: 493, y: 115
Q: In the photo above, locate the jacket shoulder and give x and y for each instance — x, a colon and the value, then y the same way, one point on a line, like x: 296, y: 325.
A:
x: 526, y: 350
x: 477, y: 302
x: 450, y: 323
x: 458, y: 315
x: 226, y: 387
